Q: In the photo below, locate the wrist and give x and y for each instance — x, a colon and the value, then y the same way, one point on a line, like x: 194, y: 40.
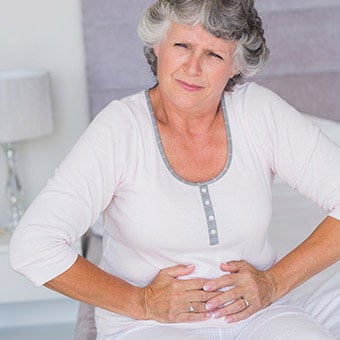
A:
x: 273, y: 285
x: 137, y: 304
x: 126, y: 300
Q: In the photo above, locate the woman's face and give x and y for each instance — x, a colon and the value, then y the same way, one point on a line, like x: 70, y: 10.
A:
x: 193, y: 67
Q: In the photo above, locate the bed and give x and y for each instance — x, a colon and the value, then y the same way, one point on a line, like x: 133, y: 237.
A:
x: 301, y: 72
x: 292, y: 221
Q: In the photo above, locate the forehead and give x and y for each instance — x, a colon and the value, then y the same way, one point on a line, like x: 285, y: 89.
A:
x: 197, y: 35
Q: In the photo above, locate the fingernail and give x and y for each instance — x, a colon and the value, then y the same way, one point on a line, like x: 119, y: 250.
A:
x: 190, y: 265
x: 209, y: 306
x: 208, y: 315
x: 216, y: 315
x: 206, y: 287
x: 229, y: 319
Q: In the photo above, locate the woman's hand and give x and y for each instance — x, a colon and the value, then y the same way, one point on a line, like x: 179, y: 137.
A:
x: 250, y: 290
x: 169, y: 299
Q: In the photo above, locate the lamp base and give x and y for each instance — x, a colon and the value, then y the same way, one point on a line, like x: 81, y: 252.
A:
x: 14, y: 190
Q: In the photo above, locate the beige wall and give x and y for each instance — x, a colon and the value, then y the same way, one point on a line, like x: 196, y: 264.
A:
x: 45, y: 34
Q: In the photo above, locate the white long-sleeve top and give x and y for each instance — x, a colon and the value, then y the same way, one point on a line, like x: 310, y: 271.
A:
x: 155, y: 219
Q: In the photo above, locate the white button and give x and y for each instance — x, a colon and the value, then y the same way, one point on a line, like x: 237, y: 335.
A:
x: 213, y: 231
x: 207, y: 202
x: 204, y: 190
x: 211, y: 217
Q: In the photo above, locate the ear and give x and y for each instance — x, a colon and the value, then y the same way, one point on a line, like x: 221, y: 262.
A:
x: 156, y: 50
x: 234, y: 71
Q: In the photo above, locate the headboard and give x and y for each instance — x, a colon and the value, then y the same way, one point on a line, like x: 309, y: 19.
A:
x: 303, y: 36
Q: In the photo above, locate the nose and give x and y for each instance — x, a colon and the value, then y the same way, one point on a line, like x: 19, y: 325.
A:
x: 193, y: 65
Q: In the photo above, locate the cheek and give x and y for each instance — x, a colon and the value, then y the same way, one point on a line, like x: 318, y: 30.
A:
x: 164, y: 67
x: 230, y: 71
x: 169, y: 64
x: 220, y: 76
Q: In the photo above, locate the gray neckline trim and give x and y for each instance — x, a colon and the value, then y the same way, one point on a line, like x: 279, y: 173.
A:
x: 162, y: 152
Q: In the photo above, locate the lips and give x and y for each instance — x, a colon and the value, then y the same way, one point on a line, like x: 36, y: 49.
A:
x: 188, y: 86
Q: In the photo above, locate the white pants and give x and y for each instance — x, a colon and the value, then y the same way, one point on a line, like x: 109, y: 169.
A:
x: 314, y: 314
x: 275, y: 323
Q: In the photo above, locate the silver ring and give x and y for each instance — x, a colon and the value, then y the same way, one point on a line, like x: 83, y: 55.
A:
x: 191, y: 308
x: 245, y: 301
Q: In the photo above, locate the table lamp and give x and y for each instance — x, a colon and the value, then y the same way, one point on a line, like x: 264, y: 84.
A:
x: 25, y: 113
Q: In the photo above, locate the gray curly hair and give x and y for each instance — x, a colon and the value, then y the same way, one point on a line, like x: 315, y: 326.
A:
x: 235, y: 20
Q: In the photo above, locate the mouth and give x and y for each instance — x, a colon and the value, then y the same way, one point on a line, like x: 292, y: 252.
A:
x: 189, y: 87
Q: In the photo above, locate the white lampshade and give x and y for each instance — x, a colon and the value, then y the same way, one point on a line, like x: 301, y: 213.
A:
x: 25, y: 105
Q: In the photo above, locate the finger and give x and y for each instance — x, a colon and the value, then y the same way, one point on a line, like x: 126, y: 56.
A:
x: 231, y: 309
x: 193, y: 317
x: 223, y: 299
x: 224, y: 281
x: 195, y: 307
x: 193, y: 284
x: 242, y: 315
x: 185, y: 316
x: 200, y: 296
x: 179, y: 270
x: 234, y: 266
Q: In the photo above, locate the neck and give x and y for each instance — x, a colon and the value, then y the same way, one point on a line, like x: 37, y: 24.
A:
x: 193, y: 120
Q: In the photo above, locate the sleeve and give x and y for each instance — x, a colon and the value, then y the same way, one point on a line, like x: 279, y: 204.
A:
x: 102, y: 161
x: 295, y: 149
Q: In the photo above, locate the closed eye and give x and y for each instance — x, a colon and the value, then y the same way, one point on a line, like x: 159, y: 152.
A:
x: 212, y: 54
x: 181, y: 45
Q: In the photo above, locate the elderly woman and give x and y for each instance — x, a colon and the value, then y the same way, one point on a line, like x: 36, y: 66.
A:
x: 183, y: 174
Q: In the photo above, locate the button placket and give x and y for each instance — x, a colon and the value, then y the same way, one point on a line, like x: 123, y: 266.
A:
x: 209, y: 214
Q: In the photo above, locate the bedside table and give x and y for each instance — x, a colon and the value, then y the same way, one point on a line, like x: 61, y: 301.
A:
x: 13, y: 286
x: 22, y: 304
